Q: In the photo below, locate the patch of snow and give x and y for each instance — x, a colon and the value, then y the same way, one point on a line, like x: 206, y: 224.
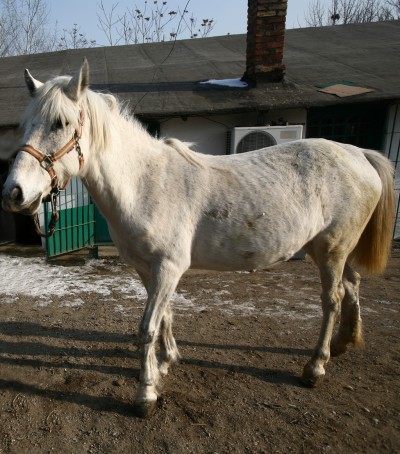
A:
x: 75, y: 303
x: 233, y: 83
x: 68, y: 286
x: 121, y: 310
x: 33, y: 277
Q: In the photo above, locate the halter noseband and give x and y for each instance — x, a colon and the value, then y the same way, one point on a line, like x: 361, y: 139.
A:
x: 47, y: 163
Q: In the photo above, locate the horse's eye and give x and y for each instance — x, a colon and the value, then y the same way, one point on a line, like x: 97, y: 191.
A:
x: 57, y: 125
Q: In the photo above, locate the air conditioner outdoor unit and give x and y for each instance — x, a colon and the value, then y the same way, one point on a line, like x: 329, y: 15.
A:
x: 256, y: 137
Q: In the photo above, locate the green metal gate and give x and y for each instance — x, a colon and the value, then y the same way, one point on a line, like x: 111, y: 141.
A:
x: 75, y: 228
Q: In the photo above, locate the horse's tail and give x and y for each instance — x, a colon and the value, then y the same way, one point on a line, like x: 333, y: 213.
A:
x: 373, y: 249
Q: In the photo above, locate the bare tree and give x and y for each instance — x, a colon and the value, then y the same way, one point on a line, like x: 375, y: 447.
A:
x: 114, y: 28
x: 151, y: 22
x: 351, y: 11
x: 203, y: 31
x: 74, y: 39
x: 23, y: 27
x: 395, y: 4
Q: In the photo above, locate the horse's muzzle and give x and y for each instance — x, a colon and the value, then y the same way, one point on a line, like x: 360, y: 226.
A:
x: 13, y: 200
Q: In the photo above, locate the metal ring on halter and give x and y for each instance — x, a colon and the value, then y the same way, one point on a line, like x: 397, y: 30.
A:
x: 46, y: 162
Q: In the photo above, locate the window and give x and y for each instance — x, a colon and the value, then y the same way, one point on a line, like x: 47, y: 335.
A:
x: 361, y: 125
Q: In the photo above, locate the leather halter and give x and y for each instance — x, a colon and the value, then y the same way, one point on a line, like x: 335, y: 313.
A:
x: 47, y: 163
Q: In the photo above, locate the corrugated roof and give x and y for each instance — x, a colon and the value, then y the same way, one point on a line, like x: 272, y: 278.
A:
x: 366, y: 55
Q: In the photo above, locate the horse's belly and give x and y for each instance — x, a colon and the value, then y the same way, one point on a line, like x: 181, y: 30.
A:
x: 239, y: 262
x: 223, y: 252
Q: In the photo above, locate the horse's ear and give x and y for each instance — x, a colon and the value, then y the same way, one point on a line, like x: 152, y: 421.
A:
x: 79, y: 82
x: 31, y: 83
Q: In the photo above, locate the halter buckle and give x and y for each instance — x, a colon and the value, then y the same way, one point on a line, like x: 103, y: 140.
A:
x: 47, y: 162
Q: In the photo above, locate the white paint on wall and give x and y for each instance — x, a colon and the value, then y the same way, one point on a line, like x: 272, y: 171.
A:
x: 209, y: 134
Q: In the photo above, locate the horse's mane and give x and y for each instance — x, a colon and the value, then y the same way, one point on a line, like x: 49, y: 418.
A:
x: 103, y: 110
x: 52, y: 103
x: 183, y: 149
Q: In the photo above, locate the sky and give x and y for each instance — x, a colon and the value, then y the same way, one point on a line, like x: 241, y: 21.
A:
x: 229, y: 15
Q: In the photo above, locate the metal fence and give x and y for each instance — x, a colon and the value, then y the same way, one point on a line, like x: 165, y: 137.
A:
x: 76, y: 226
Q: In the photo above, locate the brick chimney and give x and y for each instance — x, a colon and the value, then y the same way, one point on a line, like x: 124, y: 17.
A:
x: 265, y: 39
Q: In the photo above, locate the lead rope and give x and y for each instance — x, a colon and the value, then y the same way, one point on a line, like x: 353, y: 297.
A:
x: 54, y: 216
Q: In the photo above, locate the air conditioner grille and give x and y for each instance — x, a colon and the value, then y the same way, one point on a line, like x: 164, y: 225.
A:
x: 255, y: 141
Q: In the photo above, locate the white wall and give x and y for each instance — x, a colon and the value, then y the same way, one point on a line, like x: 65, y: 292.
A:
x: 209, y: 134
x: 392, y: 150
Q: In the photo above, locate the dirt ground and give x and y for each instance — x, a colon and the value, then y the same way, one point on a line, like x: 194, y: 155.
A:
x: 69, y: 371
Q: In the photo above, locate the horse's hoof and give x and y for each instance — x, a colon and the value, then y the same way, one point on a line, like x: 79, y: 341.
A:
x: 144, y: 409
x: 312, y: 376
x: 145, y: 402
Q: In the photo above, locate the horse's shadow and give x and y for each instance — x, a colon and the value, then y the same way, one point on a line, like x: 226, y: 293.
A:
x: 93, y: 402
x: 266, y: 375
x: 28, y: 354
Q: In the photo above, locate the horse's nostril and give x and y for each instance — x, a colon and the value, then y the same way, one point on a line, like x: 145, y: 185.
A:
x: 16, y: 194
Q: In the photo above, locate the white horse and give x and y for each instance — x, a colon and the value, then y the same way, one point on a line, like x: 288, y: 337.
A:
x: 169, y: 209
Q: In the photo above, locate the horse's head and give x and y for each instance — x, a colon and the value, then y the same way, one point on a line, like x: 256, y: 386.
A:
x: 53, y: 137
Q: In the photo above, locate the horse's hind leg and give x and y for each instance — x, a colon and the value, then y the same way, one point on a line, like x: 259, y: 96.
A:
x: 331, y: 267
x: 169, y: 353
x: 350, y: 328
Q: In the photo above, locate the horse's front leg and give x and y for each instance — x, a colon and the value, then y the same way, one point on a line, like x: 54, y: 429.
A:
x: 164, y: 280
x: 169, y: 353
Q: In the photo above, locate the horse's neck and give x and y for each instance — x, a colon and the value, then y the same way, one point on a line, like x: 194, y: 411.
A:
x: 113, y: 175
